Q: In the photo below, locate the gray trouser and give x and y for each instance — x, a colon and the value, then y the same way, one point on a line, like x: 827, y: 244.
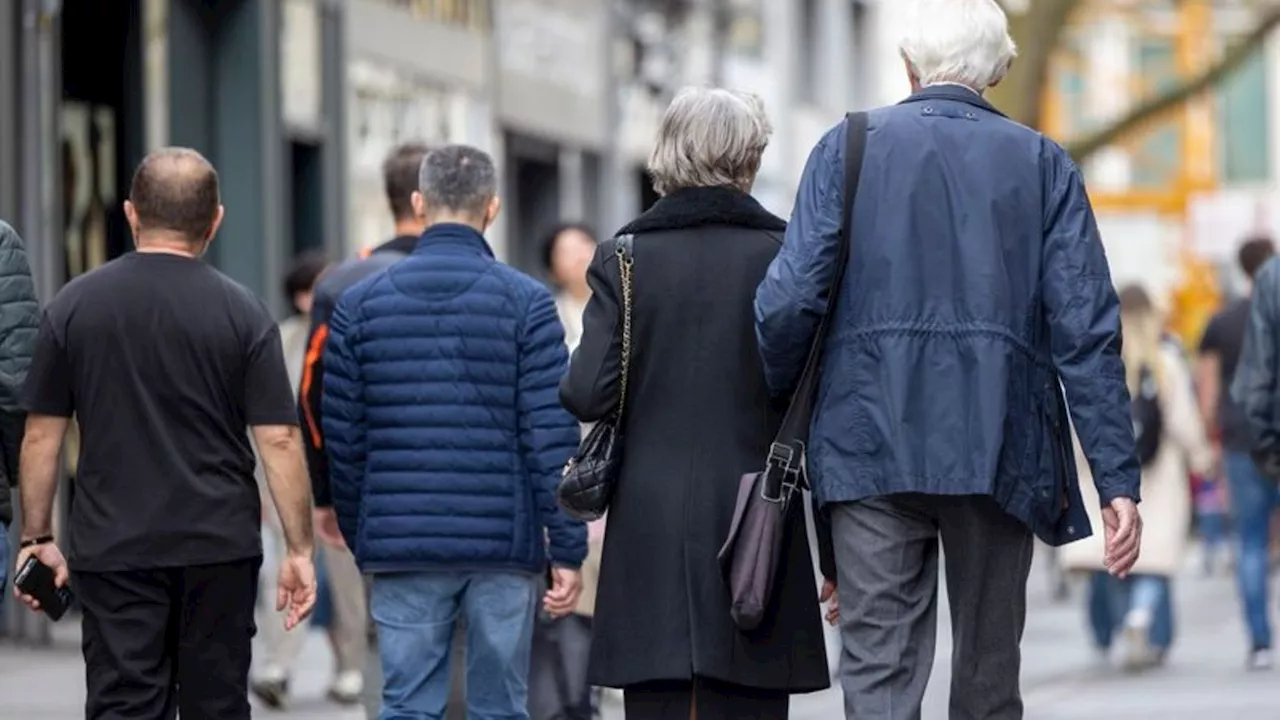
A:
x: 372, y: 700
x: 887, y: 568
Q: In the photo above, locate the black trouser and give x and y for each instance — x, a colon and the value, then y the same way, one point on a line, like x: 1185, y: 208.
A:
x: 167, y: 641
x: 704, y: 699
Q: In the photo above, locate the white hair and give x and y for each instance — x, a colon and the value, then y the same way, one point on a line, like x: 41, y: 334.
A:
x: 709, y: 137
x: 957, y: 41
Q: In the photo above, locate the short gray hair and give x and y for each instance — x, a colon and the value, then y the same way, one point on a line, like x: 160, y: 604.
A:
x: 709, y: 137
x: 957, y: 41
x: 458, y: 178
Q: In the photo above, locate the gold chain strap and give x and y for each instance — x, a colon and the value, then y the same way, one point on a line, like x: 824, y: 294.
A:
x: 625, y: 263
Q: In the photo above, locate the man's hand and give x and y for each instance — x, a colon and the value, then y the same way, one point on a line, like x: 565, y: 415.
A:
x: 562, y: 597
x: 296, y: 588
x: 51, y: 556
x: 832, y: 598
x: 1123, y: 530
x: 325, y: 520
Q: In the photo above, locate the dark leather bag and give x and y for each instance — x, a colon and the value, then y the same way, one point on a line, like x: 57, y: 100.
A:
x: 754, y: 549
x: 592, y: 474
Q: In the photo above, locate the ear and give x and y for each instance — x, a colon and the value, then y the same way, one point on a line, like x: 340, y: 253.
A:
x: 911, y: 74
x: 217, y: 222
x: 419, y: 204
x: 1003, y: 75
x: 131, y: 214
x: 491, y: 214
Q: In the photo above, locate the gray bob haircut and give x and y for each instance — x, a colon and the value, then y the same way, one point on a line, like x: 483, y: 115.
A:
x: 709, y: 137
x: 459, y: 179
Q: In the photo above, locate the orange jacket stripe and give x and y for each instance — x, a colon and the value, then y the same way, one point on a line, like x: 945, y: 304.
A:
x: 314, y: 352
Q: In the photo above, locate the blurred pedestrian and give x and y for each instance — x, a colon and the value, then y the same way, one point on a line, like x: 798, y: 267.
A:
x: 1171, y: 443
x: 399, y: 181
x: 1253, y: 451
x: 446, y: 444
x: 19, y: 320
x: 1211, y: 518
x: 566, y: 254
x: 347, y: 629
x: 968, y: 306
x: 697, y: 416
x: 558, y: 688
x: 164, y: 361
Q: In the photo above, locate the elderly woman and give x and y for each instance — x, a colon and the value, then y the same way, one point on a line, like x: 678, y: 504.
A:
x: 698, y: 416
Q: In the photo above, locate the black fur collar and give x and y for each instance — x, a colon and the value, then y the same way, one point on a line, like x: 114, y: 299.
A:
x: 698, y: 207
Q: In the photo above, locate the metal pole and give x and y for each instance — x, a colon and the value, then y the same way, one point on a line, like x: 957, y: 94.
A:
x: 334, y: 152
x: 39, y: 203
x: 719, y: 12
x: 9, y: 102
x: 613, y: 161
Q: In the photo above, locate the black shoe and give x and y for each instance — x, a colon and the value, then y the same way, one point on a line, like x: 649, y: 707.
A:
x: 272, y: 693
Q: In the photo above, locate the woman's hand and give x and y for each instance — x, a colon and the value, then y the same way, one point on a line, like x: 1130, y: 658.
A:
x: 832, y: 598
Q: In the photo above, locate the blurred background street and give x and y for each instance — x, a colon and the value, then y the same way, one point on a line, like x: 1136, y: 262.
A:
x: 1062, y: 676
x: 1170, y: 107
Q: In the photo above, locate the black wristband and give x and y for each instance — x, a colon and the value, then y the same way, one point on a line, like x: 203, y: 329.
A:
x: 43, y: 539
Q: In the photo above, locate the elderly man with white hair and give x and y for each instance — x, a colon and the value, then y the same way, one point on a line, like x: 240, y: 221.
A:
x: 975, y: 317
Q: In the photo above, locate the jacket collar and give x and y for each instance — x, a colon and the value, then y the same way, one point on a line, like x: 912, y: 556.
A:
x: 403, y: 244
x: 702, y: 206
x: 453, y: 235
x: 958, y: 93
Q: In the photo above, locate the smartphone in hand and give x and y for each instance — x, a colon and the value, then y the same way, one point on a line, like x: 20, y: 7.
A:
x: 35, y: 578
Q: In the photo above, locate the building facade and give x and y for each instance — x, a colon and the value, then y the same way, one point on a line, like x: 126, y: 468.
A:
x: 1175, y: 197
x: 88, y: 87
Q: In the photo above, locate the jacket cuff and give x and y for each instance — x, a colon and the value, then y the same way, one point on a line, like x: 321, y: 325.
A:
x: 1109, y: 493
x: 572, y: 559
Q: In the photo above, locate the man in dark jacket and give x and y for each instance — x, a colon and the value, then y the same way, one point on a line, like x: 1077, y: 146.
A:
x: 446, y: 441
x: 400, y: 181
x: 19, y: 321
x: 977, y: 291
x: 1253, y: 496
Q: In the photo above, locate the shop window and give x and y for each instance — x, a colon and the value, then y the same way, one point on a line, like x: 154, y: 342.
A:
x: 744, y: 28
x: 474, y: 15
x: 1157, y: 155
x: 1243, y: 122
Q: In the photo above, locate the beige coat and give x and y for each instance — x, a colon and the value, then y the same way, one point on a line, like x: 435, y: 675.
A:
x: 1166, y: 493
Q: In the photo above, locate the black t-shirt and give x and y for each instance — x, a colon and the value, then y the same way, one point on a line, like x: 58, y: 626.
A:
x: 1224, y: 337
x: 165, y: 363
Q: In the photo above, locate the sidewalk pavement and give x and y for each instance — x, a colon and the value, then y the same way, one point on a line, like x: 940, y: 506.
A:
x: 1062, y: 677
x: 48, y: 683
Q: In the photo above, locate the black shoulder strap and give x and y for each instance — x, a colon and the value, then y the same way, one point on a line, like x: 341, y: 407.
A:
x: 795, y: 425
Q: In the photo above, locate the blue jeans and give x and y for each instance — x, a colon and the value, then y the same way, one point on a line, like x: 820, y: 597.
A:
x: 415, y: 615
x: 1253, y: 499
x: 1111, y: 599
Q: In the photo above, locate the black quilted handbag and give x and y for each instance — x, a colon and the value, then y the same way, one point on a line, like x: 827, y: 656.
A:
x: 591, y: 476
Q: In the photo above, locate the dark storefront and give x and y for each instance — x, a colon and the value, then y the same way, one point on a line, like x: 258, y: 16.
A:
x: 85, y: 91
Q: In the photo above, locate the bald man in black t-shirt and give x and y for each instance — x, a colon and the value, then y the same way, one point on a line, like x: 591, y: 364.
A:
x: 166, y: 364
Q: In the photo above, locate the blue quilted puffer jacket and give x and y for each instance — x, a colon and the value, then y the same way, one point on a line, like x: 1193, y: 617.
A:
x: 441, y: 415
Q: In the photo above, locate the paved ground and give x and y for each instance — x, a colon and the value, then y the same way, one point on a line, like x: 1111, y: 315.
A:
x: 1062, y: 678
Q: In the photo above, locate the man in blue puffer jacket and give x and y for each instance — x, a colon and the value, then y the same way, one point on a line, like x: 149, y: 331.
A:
x: 446, y: 439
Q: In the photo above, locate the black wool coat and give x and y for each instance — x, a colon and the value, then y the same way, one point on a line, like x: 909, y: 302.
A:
x: 698, y: 416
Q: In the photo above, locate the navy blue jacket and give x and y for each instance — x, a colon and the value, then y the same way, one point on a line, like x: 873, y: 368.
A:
x: 1256, y: 385
x: 977, y: 291
x: 441, y: 414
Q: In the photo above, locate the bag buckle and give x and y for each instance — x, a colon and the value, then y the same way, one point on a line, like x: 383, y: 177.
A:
x: 784, y: 473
